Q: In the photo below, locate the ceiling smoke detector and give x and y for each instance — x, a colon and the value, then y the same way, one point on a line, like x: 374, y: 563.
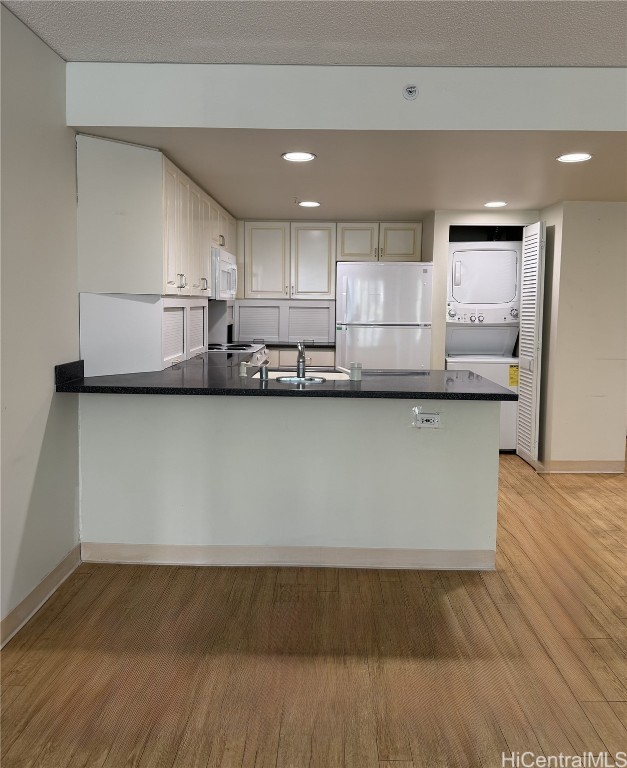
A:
x: 410, y: 92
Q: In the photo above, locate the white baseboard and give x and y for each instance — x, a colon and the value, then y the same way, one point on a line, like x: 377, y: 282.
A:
x: 582, y: 467
x: 15, y: 620
x: 330, y: 557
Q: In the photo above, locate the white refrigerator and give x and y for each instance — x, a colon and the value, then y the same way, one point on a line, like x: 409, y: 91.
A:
x: 383, y: 314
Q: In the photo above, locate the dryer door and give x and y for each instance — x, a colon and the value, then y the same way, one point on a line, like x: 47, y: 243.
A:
x: 486, y: 276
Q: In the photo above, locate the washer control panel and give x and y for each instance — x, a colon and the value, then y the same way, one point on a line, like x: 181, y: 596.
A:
x: 467, y: 314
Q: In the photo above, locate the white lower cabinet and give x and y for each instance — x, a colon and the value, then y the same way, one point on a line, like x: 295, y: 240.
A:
x: 129, y: 333
x: 284, y: 321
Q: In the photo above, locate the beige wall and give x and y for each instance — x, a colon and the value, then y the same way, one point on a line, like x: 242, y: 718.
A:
x: 584, y: 417
x: 39, y: 314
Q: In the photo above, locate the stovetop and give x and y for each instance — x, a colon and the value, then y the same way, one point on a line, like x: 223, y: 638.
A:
x: 233, y: 347
x: 235, y: 352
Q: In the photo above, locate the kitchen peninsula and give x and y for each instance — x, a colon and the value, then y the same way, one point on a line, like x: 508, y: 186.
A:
x: 242, y: 471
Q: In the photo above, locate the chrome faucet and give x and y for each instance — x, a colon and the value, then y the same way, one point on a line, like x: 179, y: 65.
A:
x: 300, y: 360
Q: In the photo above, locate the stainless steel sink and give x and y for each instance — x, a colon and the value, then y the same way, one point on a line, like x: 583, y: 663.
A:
x: 300, y: 379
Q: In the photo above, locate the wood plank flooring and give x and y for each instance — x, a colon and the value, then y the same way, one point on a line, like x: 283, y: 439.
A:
x: 167, y: 667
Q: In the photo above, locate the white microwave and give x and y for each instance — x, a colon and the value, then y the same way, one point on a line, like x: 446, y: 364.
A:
x: 224, y: 274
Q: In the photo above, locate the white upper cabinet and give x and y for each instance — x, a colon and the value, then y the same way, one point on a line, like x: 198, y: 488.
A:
x: 289, y: 260
x: 185, y: 239
x: 206, y: 272
x: 267, y: 259
x: 143, y: 226
x: 312, y: 260
x: 196, y: 234
x: 400, y: 241
x: 170, y: 235
x: 373, y: 241
x: 223, y: 228
x: 358, y: 241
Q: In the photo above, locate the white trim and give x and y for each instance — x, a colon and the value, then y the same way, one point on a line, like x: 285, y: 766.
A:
x: 587, y: 467
x: 15, y: 620
x: 330, y: 557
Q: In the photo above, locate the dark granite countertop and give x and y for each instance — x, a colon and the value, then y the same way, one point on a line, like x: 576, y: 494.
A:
x: 219, y: 375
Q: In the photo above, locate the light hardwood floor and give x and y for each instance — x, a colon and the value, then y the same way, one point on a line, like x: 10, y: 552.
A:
x: 174, y: 667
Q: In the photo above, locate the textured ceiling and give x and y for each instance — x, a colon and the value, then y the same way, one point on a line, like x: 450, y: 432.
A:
x: 380, y: 33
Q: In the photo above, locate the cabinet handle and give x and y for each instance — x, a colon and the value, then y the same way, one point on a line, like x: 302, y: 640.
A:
x: 286, y: 289
x: 222, y: 240
x: 183, y: 281
x: 380, y: 253
x: 205, y: 284
x: 180, y: 276
x: 376, y: 253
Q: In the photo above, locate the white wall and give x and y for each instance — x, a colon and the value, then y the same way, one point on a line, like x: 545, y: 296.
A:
x: 287, y: 472
x: 39, y: 314
x: 584, y: 420
x: 342, y: 98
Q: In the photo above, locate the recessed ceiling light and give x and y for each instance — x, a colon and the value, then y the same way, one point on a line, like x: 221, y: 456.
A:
x: 298, y: 157
x: 574, y: 157
x: 308, y: 204
x: 495, y: 204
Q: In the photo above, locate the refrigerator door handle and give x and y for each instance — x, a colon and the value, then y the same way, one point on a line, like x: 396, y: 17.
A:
x: 345, y: 292
x: 457, y: 273
x: 386, y: 325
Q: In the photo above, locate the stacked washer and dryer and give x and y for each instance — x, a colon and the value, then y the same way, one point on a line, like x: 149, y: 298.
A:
x: 482, y: 322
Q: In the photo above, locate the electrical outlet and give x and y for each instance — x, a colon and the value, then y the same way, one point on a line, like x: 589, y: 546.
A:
x: 425, y: 420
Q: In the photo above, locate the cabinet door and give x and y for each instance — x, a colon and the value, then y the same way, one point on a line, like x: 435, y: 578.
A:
x: 223, y: 218
x: 400, y: 241
x: 206, y: 277
x: 312, y: 260
x: 215, y: 224
x: 357, y: 242
x: 184, y: 218
x: 231, y: 235
x: 195, y: 237
x: 266, y: 256
x: 170, y: 234
x: 196, y: 329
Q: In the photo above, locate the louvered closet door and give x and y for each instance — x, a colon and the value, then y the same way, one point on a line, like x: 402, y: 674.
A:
x: 530, y: 341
